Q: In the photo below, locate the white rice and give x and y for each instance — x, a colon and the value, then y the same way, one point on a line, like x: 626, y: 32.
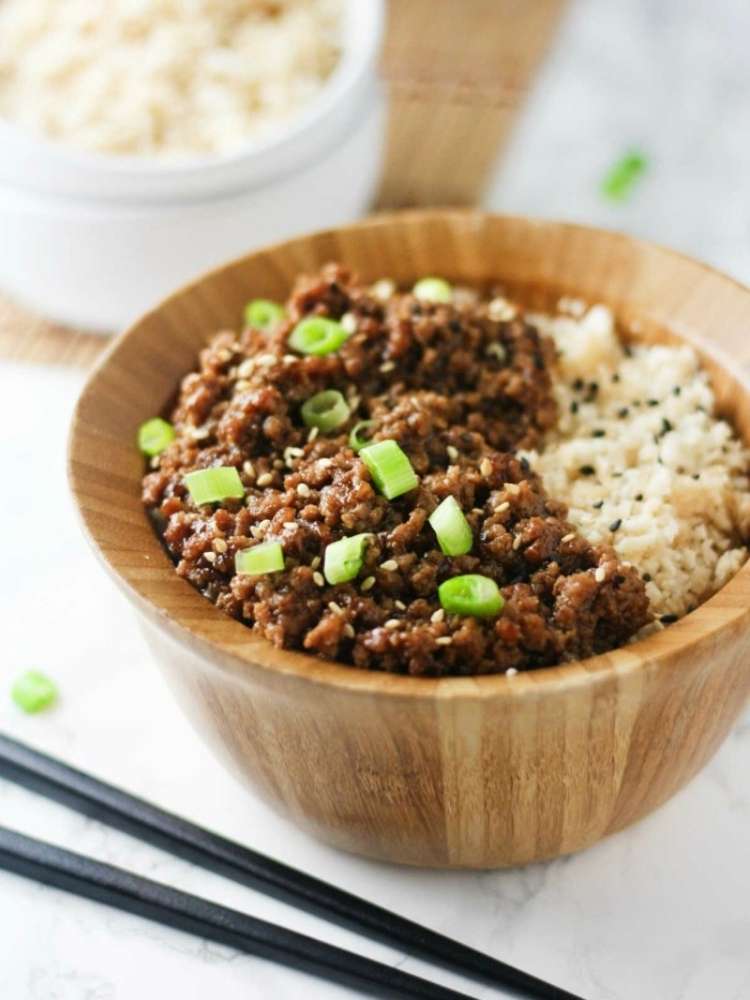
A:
x: 670, y: 486
x: 163, y: 78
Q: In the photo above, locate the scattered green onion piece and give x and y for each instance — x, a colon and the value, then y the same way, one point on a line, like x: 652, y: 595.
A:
x: 390, y: 468
x: 263, y: 313
x: 471, y: 594
x: 215, y: 484
x: 433, y: 290
x: 452, y: 529
x: 154, y: 436
x: 343, y: 559
x: 622, y: 177
x: 33, y: 692
x: 317, y: 335
x: 325, y: 410
x: 357, y: 440
x: 265, y: 558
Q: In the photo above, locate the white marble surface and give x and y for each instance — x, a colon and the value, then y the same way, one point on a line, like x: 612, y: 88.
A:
x: 659, y: 912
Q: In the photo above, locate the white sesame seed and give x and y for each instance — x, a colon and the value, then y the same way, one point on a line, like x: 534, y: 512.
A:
x: 246, y: 368
x: 336, y: 608
x: 400, y: 605
x: 354, y: 402
x: 349, y: 322
x: 289, y: 359
x: 485, y: 467
x: 220, y: 546
x: 209, y: 557
x: 313, y: 433
x: 319, y: 579
x: 501, y: 310
x: 600, y: 575
x: 349, y: 631
x: 266, y: 359
x: 390, y: 565
x: 392, y: 623
x: 517, y: 543
x: 387, y: 366
x: 325, y: 463
x: 265, y: 479
x: 452, y: 453
x: 444, y: 640
x: 568, y: 538
x: 505, y: 505
x: 497, y: 351
x: 223, y: 355
x: 315, y: 562
x: 513, y: 488
x: 155, y: 462
x: 368, y: 583
x: 437, y: 616
x: 511, y: 672
x: 383, y: 289
x: 241, y: 385
x: 303, y: 490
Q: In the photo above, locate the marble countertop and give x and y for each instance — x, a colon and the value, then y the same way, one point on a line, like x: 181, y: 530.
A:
x: 658, y: 912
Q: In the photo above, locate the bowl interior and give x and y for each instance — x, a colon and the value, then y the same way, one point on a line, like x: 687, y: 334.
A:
x: 656, y: 294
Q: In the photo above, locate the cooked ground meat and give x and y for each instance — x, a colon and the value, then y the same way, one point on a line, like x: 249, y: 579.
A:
x: 460, y: 392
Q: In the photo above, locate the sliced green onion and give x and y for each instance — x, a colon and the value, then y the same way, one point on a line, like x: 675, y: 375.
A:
x: 343, y: 559
x: 325, y: 410
x: 317, y: 335
x: 390, y: 468
x: 471, y: 594
x: 33, y: 692
x: 265, y: 558
x: 433, y: 290
x: 215, y: 484
x: 622, y: 177
x: 263, y: 313
x: 357, y: 439
x: 452, y: 529
x: 154, y: 436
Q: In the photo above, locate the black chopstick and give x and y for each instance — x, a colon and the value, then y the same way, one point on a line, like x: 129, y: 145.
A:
x: 123, y: 890
x: 118, y: 809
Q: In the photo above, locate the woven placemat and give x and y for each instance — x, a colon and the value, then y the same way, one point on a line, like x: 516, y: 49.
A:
x: 457, y: 72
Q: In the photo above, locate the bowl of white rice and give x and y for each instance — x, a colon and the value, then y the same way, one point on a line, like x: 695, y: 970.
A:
x: 147, y: 140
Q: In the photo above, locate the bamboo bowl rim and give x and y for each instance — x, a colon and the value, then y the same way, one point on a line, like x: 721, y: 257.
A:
x: 228, y: 644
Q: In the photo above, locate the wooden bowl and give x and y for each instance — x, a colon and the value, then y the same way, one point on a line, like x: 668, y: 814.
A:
x: 458, y: 772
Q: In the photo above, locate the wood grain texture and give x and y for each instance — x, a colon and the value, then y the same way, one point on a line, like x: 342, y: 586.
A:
x: 465, y: 772
x: 30, y: 338
x: 457, y: 75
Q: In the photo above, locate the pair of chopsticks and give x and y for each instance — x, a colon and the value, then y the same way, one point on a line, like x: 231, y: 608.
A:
x: 124, y: 890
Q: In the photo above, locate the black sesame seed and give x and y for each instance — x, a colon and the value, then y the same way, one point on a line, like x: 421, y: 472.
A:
x: 646, y: 578
x: 587, y: 470
x: 677, y: 390
x: 636, y: 402
x: 525, y: 464
x: 696, y: 475
x: 623, y: 413
x: 578, y: 384
x: 598, y: 433
x: 574, y: 407
x: 598, y: 505
x: 615, y: 377
x: 668, y: 619
x: 653, y: 402
x: 666, y: 425
x: 639, y: 496
x: 615, y: 524
x: 593, y: 386
x: 628, y: 351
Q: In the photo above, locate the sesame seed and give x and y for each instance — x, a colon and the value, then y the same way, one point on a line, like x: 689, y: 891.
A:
x: 400, y: 605
x: 444, y: 640
x: 349, y: 322
x: 568, y: 538
x: 574, y: 406
x: 265, y: 479
x: 220, y: 546
x: 392, y: 623
x: 485, y: 467
x: 387, y: 366
x: 623, y: 412
x: 246, y: 368
x: 668, y: 619
x: 497, y: 351
x: 209, y: 557
x: 303, y: 490
x: 511, y: 672
x: 315, y: 562
x: 666, y: 425
x: 437, y: 616
x: 578, y: 384
x: 224, y: 355
x: 155, y: 462
x: 383, y: 289
x: 336, y: 608
x: 319, y: 579
x: 354, y: 402
x: 505, y: 505
x: 390, y: 565
x: 289, y: 359
x: 646, y: 578
x: 517, y: 542
x: 600, y: 575
x: 598, y: 505
x: 324, y: 463
x: 639, y: 497
x: 349, y: 631
x: 696, y: 475
x: 313, y: 433
x: 616, y: 524
x: 266, y: 359
x: 677, y: 390
x: 513, y: 488
x: 653, y: 402
x: 598, y: 433
x: 615, y: 377
x: 587, y: 470
x: 368, y: 583
x: 452, y: 453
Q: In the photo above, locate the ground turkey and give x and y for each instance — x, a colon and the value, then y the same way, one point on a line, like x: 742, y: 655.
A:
x: 460, y: 392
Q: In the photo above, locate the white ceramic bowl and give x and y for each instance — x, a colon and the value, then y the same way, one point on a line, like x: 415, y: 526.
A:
x: 95, y: 240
